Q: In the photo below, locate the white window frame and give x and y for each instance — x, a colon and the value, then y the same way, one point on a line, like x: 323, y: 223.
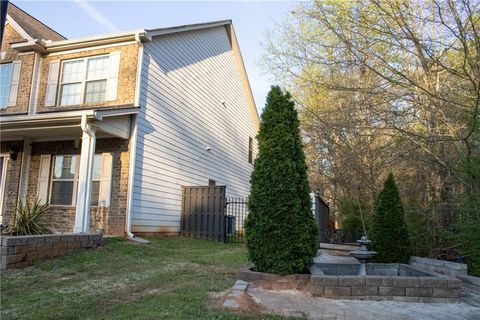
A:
x: 8, y: 89
x: 83, y: 83
x: 75, y: 180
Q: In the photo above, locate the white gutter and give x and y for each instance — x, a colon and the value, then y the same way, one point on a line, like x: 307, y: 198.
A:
x: 64, y: 115
x: 98, y: 114
x: 46, y: 46
x: 131, y: 177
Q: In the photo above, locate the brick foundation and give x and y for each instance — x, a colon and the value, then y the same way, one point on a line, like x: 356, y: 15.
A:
x: 20, y: 251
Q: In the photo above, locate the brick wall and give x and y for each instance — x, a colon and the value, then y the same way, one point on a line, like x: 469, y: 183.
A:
x: 26, y: 72
x: 126, y: 80
x: 62, y: 218
x: 12, y: 179
x: 18, y: 252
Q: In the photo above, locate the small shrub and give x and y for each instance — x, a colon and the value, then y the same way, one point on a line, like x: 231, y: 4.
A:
x: 281, y: 230
x: 29, y: 219
x: 389, y: 232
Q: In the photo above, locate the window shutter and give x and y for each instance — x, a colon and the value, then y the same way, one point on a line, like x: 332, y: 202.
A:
x: 51, y: 94
x: 43, y: 178
x: 105, y: 180
x: 12, y: 94
x: 112, y: 81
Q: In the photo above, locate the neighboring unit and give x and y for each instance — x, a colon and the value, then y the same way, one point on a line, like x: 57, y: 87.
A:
x: 107, y: 129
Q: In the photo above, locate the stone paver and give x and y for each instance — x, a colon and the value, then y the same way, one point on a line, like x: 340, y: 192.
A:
x: 289, y: 302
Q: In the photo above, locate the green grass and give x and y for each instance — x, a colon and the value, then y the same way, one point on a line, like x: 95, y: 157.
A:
x: 170, y: 278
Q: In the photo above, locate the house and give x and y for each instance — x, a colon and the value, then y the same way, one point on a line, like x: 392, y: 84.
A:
x: 107, y: 129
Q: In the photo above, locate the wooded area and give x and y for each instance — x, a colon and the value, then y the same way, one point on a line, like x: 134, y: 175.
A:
x: 390, y: 86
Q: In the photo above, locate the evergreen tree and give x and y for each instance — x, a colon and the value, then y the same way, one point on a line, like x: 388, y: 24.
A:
x: 389, y: 232
x: 281, y: 230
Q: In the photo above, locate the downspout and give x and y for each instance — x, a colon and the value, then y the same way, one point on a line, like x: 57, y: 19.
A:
x: 133, y: 147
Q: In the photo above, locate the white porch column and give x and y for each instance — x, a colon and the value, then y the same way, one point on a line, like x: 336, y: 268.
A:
x: 82, y: 215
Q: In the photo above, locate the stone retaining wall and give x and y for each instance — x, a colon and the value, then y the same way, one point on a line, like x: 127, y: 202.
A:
x: 439, y: 266
x: 396, y: 288
x: 441, y: 289
x: 471, y: 283
x: 20, y: 251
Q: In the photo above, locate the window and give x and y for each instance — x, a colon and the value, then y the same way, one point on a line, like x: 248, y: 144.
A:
x: 84, y: 80
x: 5, y: 81
x: 65, y: 179
x: 250, y: 150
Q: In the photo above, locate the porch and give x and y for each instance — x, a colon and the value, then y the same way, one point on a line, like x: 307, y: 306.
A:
x: 77, y: 162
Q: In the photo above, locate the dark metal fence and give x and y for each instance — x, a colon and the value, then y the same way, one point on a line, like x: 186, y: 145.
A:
x: 208, y: 214
x: 338, y: 236
x: 203, y: 212
x: 236, y: 211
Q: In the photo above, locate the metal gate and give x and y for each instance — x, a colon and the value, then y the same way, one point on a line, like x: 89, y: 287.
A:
x: 235, y: 214
x: 208, y: 214
x: 203, y: 212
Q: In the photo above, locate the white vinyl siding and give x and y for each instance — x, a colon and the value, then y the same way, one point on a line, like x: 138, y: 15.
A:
x: 185, y: 78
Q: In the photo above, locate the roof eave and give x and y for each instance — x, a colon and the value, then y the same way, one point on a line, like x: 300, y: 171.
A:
x: 189, y: 27
x: 46, y: 46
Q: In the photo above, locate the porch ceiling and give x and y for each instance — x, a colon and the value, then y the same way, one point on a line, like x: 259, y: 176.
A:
x: 64, y: 127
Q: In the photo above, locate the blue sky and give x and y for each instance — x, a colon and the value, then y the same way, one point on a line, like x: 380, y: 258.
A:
x: 81, y: 18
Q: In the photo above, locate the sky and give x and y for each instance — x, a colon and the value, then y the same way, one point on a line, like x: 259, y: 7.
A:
x: 251, y: 19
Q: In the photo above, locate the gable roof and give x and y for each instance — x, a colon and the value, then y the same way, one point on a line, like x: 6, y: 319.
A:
x: 30, y: 27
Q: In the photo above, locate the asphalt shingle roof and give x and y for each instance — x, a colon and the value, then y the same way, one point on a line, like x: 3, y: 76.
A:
x: 33, y: 27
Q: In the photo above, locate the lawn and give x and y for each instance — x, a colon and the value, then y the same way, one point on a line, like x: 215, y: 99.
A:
x: 170, y: 278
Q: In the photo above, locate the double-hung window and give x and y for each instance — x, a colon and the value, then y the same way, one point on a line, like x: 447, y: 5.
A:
x: 5, y: 80
x: 84, y: 80
x: 64, y: 179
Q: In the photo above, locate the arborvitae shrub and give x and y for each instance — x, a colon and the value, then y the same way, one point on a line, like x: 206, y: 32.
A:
x: 389, y: 233
x: 280, y: 229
